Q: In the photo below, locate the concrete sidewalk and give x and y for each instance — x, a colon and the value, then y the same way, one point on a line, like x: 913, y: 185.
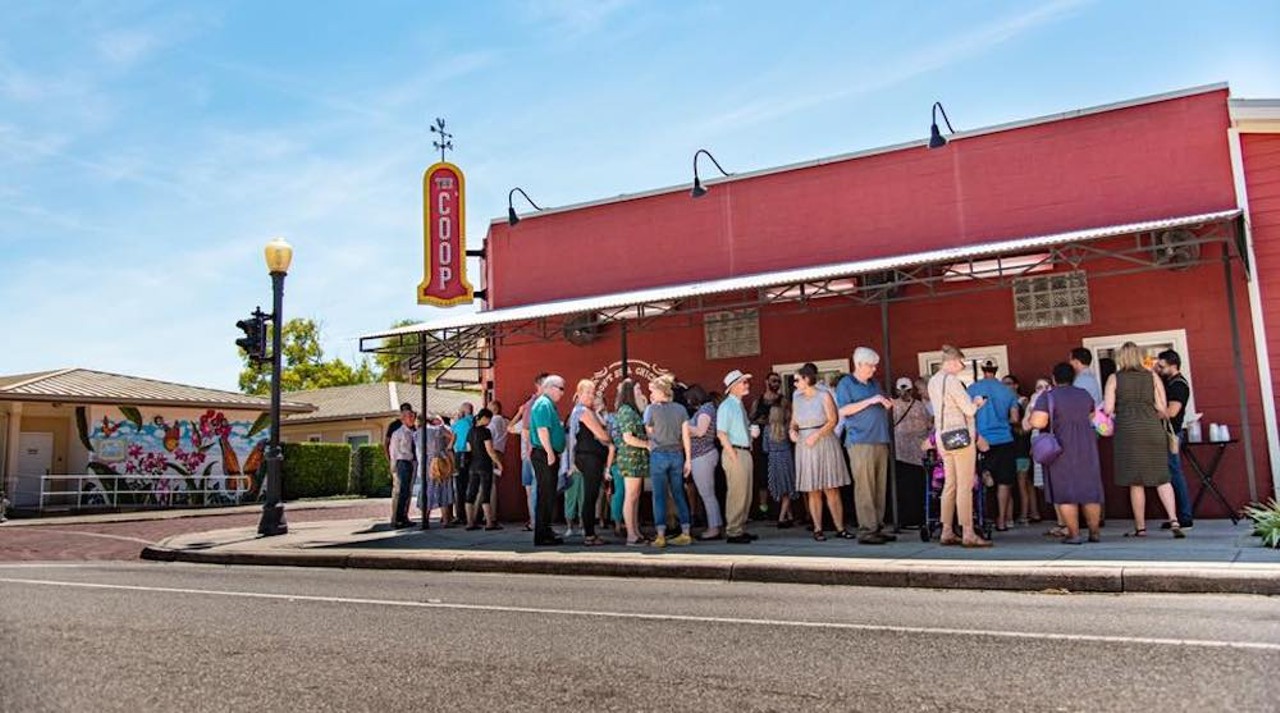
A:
x: 1216, y: 557
x: 182, y: 513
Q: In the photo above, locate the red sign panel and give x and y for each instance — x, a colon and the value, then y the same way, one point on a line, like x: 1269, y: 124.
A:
x: 444, y: 279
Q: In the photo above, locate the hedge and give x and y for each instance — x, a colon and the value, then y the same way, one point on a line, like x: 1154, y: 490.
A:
x: 315, y: 470
x: 371, y: 474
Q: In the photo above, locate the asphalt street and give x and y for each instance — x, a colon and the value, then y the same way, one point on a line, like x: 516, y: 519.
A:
x: 139, y: 636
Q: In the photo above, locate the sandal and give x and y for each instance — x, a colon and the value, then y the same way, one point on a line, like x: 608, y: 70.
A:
x: 1077, y: 540
x: 846, y: 535
x: 1137, y: 532
x: 593, y: 541
x: 1056, y: 531
x: 949, y: 541
x: 976, y: 542
x: 819, y: 536
x: 1094, y: 537
x: 1176, y: 528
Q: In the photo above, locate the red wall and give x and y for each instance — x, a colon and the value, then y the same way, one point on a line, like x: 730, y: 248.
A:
x: 1193, y: 300
x: 1144, y: 162
x: 1261, y: 153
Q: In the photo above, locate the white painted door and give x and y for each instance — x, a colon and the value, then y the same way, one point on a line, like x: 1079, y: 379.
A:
x: 35, y: 453
x: 35, y: 459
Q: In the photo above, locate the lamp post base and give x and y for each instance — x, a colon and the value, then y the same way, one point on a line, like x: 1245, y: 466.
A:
x: 272, y: 522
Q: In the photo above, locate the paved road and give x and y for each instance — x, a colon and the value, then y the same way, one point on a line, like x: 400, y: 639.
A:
x: 90, y: 540
x: 129, y: 637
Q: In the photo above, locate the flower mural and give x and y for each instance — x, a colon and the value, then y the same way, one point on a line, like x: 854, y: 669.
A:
x: 183, y: 462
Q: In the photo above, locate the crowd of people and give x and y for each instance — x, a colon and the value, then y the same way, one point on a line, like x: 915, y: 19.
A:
x: 801, y: 455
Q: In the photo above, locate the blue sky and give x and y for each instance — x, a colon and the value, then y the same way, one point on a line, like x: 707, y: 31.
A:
x: 148, y: 150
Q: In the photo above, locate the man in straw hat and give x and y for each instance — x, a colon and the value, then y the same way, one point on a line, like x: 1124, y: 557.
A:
x: 735, y: 434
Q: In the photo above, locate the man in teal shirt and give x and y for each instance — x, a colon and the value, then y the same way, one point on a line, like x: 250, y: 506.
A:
x: 548, y: 443
x: 735, y: 456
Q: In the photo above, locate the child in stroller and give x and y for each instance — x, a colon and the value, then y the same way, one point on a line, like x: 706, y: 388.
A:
x: 935, y: 477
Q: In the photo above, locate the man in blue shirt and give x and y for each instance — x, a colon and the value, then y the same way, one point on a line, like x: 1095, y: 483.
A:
x: 1082, y: 360
x: 461, y: 427
x: 865, y: 411
x: 995, y: 438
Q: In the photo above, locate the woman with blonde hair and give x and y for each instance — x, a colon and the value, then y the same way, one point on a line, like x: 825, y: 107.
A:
x: 953, y: 423
x: 1136, y: 398
x: 592, y: 449
x: 820, y: 464
x: 670, y: 459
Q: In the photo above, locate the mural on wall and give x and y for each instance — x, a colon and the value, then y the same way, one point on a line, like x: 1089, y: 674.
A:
x: 151, y: 461
x: 608, y: 378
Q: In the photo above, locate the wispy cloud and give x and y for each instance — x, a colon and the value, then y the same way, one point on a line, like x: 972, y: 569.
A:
x: 575, y: 17
x: 902, y: 69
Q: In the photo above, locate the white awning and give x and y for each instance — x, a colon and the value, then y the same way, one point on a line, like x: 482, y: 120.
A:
x: 672, y: 294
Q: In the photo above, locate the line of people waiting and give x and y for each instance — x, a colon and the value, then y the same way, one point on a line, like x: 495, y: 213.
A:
x: 807, y: 445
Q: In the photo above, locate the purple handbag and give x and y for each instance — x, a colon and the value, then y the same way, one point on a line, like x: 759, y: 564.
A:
x: 1045, y: 448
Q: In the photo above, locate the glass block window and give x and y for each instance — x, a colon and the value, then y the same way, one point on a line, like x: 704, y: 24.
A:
x: 733, y: 333
x: 1056, y: 300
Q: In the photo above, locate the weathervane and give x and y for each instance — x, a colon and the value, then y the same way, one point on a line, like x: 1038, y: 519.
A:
x: 446, y: 139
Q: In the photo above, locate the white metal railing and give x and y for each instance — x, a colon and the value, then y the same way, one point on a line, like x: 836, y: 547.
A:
x: 86, y: 491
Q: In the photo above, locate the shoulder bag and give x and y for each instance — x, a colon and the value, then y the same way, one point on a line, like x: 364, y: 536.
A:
x: 1045, y: 447
x: 1175, y: 442
x: 442, y: 467
x: 956, y: 438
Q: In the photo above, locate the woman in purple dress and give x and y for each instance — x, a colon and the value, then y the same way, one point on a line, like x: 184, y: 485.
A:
x: 1074, y: 480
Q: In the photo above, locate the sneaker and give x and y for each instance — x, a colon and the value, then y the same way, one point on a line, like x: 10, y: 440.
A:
x: 682, y: 540
x: 660, y: 541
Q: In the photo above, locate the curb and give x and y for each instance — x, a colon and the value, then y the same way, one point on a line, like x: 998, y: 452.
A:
x: 854, y: 574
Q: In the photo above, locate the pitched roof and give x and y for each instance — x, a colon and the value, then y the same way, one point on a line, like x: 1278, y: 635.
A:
x: 341, y: 403
x: 86, y: 386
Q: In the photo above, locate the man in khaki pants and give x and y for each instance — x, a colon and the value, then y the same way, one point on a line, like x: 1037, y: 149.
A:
x: 735, y: 456
x: 865, y: 410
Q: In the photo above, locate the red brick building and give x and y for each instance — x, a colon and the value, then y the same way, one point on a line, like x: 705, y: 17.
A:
x: 1156, y: 219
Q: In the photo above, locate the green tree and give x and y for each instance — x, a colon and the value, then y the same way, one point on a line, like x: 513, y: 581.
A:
x: 303, y: 366
x: 402, y: 366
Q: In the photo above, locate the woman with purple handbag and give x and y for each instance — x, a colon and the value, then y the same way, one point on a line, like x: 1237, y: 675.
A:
x: 1067, y: 448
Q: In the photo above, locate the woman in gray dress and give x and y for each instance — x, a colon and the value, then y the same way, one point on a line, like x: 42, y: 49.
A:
x: 820, y: 465
x: 1135, y: 397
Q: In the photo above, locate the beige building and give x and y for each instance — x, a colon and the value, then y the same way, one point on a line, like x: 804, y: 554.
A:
x: 359, y: 414
x: 78, y: 438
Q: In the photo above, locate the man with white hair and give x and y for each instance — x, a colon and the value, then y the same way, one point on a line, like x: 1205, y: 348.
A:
x: 548, y: 439
x: 865, y: 411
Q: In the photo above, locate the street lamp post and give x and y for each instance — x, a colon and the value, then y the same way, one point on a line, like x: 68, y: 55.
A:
x: 278, y: 254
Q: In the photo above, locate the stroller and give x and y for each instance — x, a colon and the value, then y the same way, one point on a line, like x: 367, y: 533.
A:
x: 934, y: 475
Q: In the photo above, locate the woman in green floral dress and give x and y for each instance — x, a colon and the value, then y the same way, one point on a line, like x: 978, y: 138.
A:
x: 633, y: 457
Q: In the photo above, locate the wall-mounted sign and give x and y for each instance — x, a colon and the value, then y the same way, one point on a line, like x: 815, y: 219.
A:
x: 608, y: 378
x: 444, y: 279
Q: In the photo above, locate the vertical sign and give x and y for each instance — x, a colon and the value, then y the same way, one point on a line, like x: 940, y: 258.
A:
x: 444, y: 280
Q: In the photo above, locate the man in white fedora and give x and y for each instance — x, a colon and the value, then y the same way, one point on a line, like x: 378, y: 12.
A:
x: 734, y: 431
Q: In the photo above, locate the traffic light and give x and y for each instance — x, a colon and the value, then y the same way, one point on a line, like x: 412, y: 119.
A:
x: 254, y: 341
